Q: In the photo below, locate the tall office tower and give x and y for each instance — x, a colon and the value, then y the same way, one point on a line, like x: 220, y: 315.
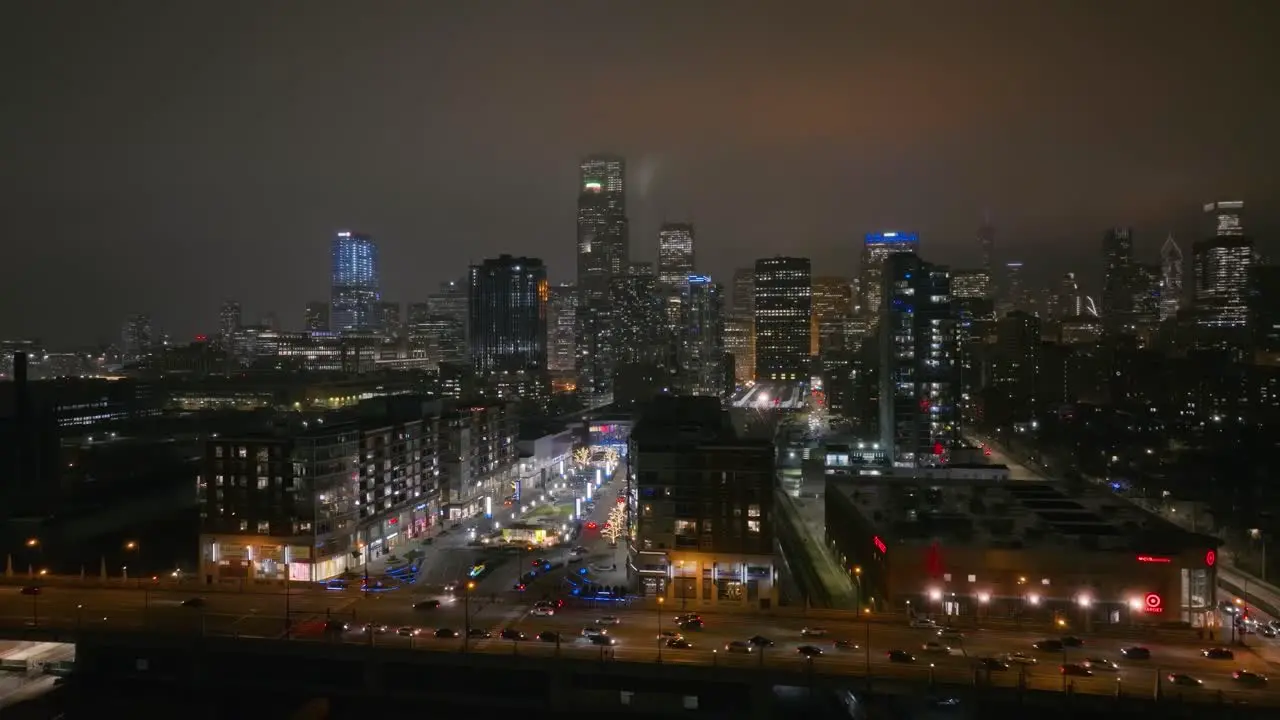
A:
x: 1145, y: 303
x: 675, y: 265
x: 876, y: 248
x: 137, y: 339
x: 919, y: 366
x: 390, y: 321
x: 1117, y: 279
x: 562, y: 314
x: 508, y: 311
x: 640, y: 268
x: 832, y: 308
x: 1224, y: 218
x: 1068, y: 301
x: 1264, y: 308
x: 1171, y: 267
x: 987, y: 239
x: 638, y: 331
x: 970, y: 284
x: 230, y: 318
x: 744, y: 292
x: 701, y: 343
x: 603, y: 250
x: 450, y: 320
x: 1013, y: 294
x: 316, y: 316
x: 740, y: 342
x: 1220, y: 266
x: 356, y: 287
x: 783, y: 307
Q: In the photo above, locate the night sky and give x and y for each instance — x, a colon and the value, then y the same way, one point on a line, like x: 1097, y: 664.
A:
x: 162, y: 156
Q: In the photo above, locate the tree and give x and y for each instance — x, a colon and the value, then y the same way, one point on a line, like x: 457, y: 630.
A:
x: 610, y: 456
x: 616, y: 525
x: 582, y: 456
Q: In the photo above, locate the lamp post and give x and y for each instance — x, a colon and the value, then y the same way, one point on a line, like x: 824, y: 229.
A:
x: 658, y: 615
x: 857, y: 581
x: 466, y: 616
x: 1086, y: 602
x: 983, y: 599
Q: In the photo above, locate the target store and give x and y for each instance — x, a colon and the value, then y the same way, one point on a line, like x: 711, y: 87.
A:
x: 1016, y: 549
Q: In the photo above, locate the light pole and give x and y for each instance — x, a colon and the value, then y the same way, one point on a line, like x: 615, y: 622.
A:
x: 983, y: 599
x: 466, y: 616
x: 857, y: 580
x: 658, y: 615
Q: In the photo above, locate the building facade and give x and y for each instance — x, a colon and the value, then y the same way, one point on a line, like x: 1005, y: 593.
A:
x: 356, y: 283
x: 783, y: 311
x: 508, y: 313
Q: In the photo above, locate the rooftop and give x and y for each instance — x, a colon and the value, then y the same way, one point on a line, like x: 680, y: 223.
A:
x: 1000, y: 514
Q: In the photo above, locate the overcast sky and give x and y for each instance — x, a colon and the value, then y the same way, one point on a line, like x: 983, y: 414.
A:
x: 160, y: 156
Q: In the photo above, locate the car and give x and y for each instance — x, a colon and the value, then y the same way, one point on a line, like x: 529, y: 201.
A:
x: 512, y: 634
x: 407, y: 631
x: 668, y: 634
x: 687, y: 617
x: 1101, y: 665
x: 844, y: 645
x: 193, y: 602
x: 602, y: 640
x: 760, y: 641
x: 479, y: 634
x: 679, y: 643
x: 1075, y: 669
x: 1184, y: 680
x: 923, y: 623
x: 543, y: 612
x: 901, y: 656
x: 809, y: 651
x: 609, y: 620
x: 30, y: 590
x: 738, y: 646
x: 589, y: 632
x: 1072, y: 641
x: 447, y: 633
x: 1048, y: 646
x: 1266, y: 631
x: 692, y: 625
x: 1218, y: 653
x: 375, y: 628
x: 450, y: 587
x: 592, y: 525
x: 336, y: 626
x: 1245, y: 677
x: 427, y: 605
x: 994, y: 664
x: 1137, y: 652
x: 813, y: 632
x: 950, y: 634
x: 1019, y: 658
x: 549, y: 636
x: 579, y: 550
x: 936, y: 648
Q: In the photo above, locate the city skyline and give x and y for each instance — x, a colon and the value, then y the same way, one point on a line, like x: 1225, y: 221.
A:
x: 127, y: 211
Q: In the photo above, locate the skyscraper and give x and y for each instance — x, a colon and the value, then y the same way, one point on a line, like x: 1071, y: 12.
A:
x: 1068, y: 303
x: 316, y: 316
x: 1014, y: 296
x: 701, y: 343
x: 783, y: 307
x: 876, y: 248
x: 675, y: 265
x: 1117, y: 279
x: 603, y: 250
x: 137, y: 339
x: 390, y: 321
x: 832, y: 307
x: 1171, y: 269
x: 918, y: 362
x: 562, y: 313
x: 508, y: 313
x: 1221, y: 268
x: 987, y: 240
x: 970, y: 283
x: 744, y: 291
x: 356, y: 288
x: 230, y: 318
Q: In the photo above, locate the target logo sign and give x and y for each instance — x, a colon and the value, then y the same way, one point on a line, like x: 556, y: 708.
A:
x: 1210, y: 558
x: 1153, y: 603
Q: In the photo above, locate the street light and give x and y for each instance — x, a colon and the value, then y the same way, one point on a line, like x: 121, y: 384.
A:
x: 658, y: 615
x: 466, y: 615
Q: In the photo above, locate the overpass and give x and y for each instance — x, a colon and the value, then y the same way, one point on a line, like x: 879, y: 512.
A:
x: 541, y: 678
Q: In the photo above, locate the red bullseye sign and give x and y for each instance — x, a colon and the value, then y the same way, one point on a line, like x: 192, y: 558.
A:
x: 1210, y: 558
x: 1153, y: 603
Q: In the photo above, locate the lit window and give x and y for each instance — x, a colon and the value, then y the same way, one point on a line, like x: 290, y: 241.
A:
x: 753, y: 526
x: 753, y: 511
x: 946, y: 577
x: 262, y: 483
x: 264, y: 526
x: 973, y: 578
x: 1044, y: 581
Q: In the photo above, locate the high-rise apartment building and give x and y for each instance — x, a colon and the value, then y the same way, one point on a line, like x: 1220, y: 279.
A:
x: 919, y: 367
x: 701, y: 341
x: 970, y: 283
x: 638, y: 332
x: 1171, y: 270
x: 783, y: 308
x: 876, y: 248
x: 832, y: 308
x: 230, y: 318
x: 356, y: 283
x: 508, y: 313
x: 562, y: 318
x: 315, y: 317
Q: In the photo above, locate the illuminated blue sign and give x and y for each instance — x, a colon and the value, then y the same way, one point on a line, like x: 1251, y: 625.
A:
x: 890, y: 238
x: 700, y: 279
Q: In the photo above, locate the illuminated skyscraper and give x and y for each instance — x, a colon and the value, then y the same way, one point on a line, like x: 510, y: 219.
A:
x: 970, y: 283
x: 1014, y: 295
x: 508, y: 313
x: 675, y: 265
x: 783, y: 308
x: 1171, y: 267
x: 356, y: 287
x: 603, y: 250
x: 562, y: 313
x: 876, y: 248
x: 701, y: 343
x: 230, y: 318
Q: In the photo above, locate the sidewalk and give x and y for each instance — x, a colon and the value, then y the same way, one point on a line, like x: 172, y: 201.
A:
x: 807, y: 516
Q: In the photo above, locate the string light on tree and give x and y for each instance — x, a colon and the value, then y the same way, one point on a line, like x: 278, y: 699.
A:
x: 615, y: 526
x: 582, y: 456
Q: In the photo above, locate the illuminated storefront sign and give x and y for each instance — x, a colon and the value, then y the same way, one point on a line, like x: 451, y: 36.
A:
x: 880, y: 545
x: 1154, y: 559
x: 1153, y: 603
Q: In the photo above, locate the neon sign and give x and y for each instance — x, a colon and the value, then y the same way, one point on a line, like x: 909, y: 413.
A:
x: 880, y: 545
x: 1210, y: 558
x: 1154, y: 559
x: 1153, y: 603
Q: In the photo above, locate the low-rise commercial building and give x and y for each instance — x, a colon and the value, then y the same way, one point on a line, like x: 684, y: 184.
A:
x: 960, y: 546
x: 701, y: 507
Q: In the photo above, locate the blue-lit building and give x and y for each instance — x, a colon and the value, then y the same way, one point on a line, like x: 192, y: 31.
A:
x: 919, y: 368
x: 356, y: 286
x: 876, y: 248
